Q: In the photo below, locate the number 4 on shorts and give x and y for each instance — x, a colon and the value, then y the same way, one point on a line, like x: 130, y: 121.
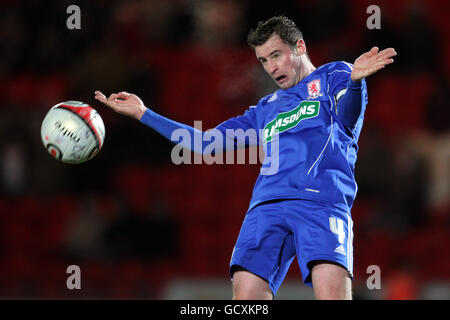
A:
x: 337, y: 227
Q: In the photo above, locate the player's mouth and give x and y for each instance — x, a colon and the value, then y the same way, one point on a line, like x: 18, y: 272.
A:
x: 280, y: 79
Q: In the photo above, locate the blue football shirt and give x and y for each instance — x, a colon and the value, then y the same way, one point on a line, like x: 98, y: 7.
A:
x: 315, y: 126
x: 316, y: 149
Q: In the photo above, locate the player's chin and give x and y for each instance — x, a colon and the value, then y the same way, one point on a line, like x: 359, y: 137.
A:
x: 283, y: 85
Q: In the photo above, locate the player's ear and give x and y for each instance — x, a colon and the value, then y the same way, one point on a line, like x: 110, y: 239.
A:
x: 300, y: 47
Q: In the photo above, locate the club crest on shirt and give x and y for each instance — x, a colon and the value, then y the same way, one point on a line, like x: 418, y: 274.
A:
x: 314, y: 89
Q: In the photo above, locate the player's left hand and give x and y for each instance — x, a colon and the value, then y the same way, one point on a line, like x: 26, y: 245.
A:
x: 372, y: 61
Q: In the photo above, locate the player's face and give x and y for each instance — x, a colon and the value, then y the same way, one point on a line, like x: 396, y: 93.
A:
x: 282, y: 63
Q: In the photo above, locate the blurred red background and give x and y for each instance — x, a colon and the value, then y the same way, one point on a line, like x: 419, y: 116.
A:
x: 136, y: 223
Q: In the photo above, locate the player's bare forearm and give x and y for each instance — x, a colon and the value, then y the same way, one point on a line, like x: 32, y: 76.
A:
x: 371, y: 62
x: 124, y: 103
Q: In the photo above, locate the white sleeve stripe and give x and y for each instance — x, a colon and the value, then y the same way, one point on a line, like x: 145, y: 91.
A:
x: 346, y: 71
x: 340, y: 94
x: 349, y: 65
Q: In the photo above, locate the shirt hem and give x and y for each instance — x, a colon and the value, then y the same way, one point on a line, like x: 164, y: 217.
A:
x: 298, y: 196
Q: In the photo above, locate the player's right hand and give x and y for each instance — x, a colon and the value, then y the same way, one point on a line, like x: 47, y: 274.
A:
x: 124, y: 103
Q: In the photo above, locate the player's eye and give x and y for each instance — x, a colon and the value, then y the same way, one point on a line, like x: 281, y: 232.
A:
x: 275, y: 55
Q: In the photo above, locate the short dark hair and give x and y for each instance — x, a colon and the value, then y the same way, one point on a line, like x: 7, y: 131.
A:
x: 284, y: 27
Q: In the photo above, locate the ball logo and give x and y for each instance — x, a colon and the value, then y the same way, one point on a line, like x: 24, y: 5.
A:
x: 66, y: 132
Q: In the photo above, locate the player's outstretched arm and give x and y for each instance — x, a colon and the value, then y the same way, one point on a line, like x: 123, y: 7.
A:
x: 131, y: 105
x: 123, y: 103
x: 350, y: 107
x: 371, y: 62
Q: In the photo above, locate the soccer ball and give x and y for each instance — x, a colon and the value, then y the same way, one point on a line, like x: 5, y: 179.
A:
x: 72, y: 132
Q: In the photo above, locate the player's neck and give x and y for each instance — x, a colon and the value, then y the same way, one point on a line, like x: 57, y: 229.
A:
x: 307, y: 68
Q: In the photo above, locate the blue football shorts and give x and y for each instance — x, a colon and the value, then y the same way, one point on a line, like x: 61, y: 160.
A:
x: 273, y: 233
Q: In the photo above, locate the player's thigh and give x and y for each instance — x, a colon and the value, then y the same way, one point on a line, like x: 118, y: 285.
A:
x: 265, y: 245
x: 331, y: 281
x: 248, y: 286
x: 321, y: 233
